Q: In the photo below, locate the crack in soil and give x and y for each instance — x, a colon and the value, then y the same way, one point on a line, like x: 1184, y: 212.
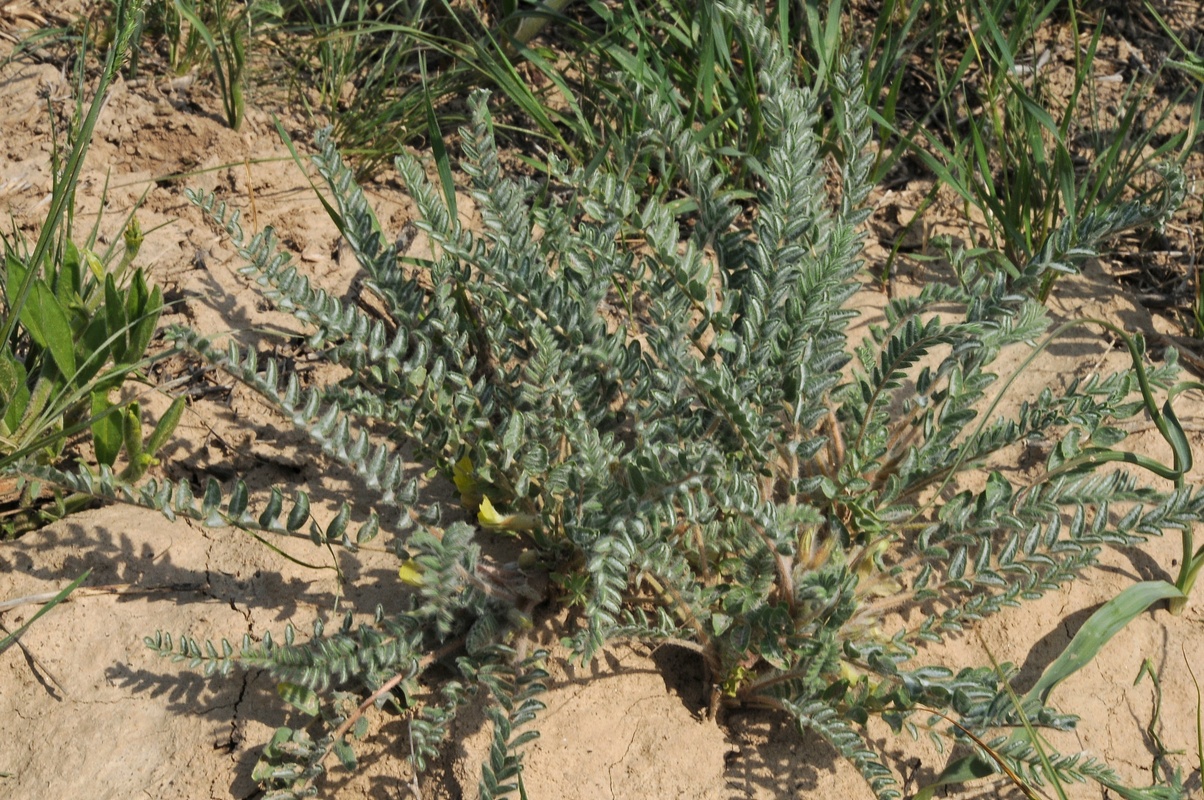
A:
x: 208, y: 589
x: 610, y: 774
x: 235, y: 738
x: 610, y: 770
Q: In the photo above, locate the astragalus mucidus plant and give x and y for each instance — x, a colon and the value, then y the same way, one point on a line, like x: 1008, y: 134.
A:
x: 667, y: 412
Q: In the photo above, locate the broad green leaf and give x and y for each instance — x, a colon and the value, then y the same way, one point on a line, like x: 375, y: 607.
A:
x: 9, y: 379
x: 264, y: 767
x: 106, y: 428
x: 267, y: 517
x: 142, y: 325
x: 338, y: 525
x: 92, y: 354
x: 438, y: 148
x: 238, y: 500
x: 47, y: 324
x: 38, y: 433
x: 68, y: 278
x: 14, y: 275
x: 118, y: 323
x: 360, y: 730
x: 345, y: 754
x: 1106, y: 436
x: 167, y: 426
x: 963, y: 770
x: 368, y: 531
x: 18, y: 406
x: 137, y: 295
x: 299, y: 513
x: 1097, y: 631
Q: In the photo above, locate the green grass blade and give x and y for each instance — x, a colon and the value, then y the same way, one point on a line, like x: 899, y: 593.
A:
x: 64, y: 185
x: 1033, y: 737
x: 11, y: 639
x: 331, y: 211
x: 1097, y: 631
x: 442, y: 161
x: 1194, y: 65
x: 991, y: 25
x: 1177, y: 438
x: 582, y: 127
x: 1199, y: 715
x: 184, y: 9
x: 964, y: 770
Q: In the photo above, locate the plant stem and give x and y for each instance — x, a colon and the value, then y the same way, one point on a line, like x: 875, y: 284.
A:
x: 420, y: 666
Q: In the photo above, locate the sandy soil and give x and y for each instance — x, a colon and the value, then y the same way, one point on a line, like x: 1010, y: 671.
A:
x: 87, y: 710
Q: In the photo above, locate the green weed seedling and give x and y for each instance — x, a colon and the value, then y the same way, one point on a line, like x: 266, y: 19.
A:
x: 647, y: 387
x: 74, y: 325
x: 1190, y: 63
x: 379, y: 66
x: 72, y: 331
x: 226, y: 28
x: 1016, y: 161
x: 166, y: 24
x: 1161, y: 751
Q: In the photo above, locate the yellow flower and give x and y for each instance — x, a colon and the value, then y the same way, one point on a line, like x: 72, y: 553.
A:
x: 489, y: 518
x: 466, y: 482
x: 872, y: 580
x: 735, y: 679
x: 411, y: 573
